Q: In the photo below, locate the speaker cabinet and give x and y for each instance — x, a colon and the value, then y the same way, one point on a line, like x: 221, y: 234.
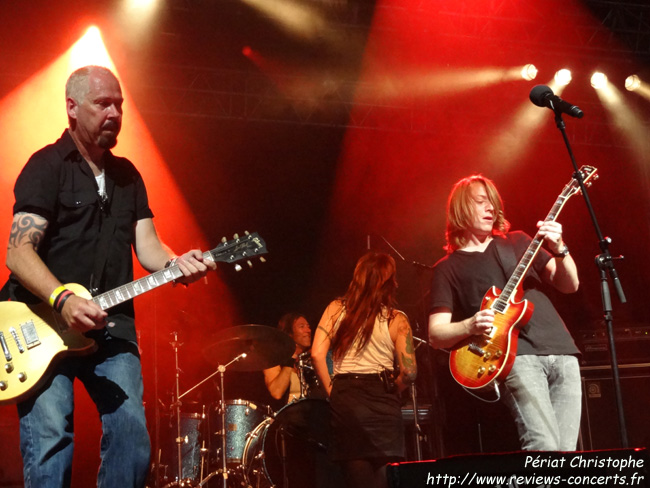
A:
x: 600, y: 427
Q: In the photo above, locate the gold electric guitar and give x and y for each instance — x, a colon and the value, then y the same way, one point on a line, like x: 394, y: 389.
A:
x: 33, y: 336
x: 479, y: 360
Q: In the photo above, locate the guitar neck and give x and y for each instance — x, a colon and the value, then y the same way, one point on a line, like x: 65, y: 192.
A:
x: 131, y: 290
x: 510, y: 290
x: 236, y: 249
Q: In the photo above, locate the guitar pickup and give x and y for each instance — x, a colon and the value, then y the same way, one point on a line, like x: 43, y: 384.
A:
x: 30, y: 334
x: 479, y: 351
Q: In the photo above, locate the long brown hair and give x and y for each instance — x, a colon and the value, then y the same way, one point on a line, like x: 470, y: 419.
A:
x: 371, y: 292
x: 460, y: 211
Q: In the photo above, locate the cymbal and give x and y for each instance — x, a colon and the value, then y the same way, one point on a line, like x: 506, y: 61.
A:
x: 264, y: 347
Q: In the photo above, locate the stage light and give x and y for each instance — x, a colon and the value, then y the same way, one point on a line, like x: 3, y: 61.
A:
x: 632, y: 83
x: 529, y: 72
x: 563, y: 77
x: 247, y: 51
x: 142, y: 3
x: 299, y: 19
x: 598, y: 80
x: 90, y: 50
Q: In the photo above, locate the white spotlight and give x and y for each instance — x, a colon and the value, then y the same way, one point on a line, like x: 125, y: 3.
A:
x: 529, y: 72
x: 563, y: 77
x: 598, y: 80
x: 632, y: 82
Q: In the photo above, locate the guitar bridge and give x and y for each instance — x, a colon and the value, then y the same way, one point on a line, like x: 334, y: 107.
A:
x: 5, y: 347
x: 479, y: 351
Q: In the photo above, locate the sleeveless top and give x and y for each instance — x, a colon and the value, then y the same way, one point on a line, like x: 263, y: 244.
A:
x: 378, y: 354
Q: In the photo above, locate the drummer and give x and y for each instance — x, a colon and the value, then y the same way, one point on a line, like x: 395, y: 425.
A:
x: 285, y: 377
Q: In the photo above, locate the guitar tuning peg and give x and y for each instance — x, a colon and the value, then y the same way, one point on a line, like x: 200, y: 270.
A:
x: 235, y: 236
x: 237, y: 267
x: 247, y: 233
x: 262, y: 259
x: 250, y: 265
x: 224, y: 240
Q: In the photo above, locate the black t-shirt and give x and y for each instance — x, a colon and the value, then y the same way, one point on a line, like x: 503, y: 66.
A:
x: 461, y: 279
x: 58, y: 184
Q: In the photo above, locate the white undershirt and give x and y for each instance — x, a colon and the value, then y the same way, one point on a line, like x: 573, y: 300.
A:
x: 101, y: 184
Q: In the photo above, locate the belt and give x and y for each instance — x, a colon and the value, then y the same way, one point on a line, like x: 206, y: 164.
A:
x: 357, y: 376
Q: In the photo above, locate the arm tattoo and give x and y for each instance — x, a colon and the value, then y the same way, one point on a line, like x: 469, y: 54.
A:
x: 410, y: 368
x: 405, y: 330
x: 408, y: 357
x: 323, y: 329
x: 409, y: 342
x: 27, y: 228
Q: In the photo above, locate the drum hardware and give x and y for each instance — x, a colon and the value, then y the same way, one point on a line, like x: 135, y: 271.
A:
x: 221, y: 370
x: 181, y: 440
x: 302, y: 363
x: 310, y: 385
x: 262, y: 347
x: 176, y: 406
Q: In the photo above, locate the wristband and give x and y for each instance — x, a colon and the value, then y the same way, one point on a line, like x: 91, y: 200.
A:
x: 61, y: 299
x: 563, y: 253
x: 55, y: 294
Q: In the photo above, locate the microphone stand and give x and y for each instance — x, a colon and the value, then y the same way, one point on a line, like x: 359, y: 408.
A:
x: 221, y: 369
x: 416, y: 422
x: 605, y: 263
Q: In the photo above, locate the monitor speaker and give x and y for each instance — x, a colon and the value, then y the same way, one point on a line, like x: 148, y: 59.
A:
x: 600, y: 426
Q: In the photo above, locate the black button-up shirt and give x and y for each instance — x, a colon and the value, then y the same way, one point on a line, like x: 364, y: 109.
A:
x: 59, y: 185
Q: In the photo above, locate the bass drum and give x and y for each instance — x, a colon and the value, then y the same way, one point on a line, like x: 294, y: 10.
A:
x: 290, y: 450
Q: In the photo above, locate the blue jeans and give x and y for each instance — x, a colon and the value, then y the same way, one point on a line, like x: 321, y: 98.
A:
x: 544, y: 395
x: 112, y: 376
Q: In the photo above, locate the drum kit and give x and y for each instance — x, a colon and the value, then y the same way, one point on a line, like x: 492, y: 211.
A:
x: 239, y: 443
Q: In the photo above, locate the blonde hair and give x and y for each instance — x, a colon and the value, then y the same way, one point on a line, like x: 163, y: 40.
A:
x: 460, y: 211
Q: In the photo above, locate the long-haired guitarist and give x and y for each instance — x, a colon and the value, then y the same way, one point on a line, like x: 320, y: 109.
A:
x: 543, y: 389
x: 79, y: 212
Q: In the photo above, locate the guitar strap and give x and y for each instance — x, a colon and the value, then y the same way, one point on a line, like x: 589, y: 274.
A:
x: 101, y: 256
x: 506, y: 255
x: 105, y: 237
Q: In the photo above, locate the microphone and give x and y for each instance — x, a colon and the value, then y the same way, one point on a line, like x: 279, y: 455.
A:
x: 543, y: 96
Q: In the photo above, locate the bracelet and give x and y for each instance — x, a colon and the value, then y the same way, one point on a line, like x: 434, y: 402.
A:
x: 563, y: 253
x: 61, y: 299
x: 55, y: 294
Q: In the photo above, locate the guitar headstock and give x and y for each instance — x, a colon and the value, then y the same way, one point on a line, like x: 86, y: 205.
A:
x: 589, y: 174
x: 240, y: 248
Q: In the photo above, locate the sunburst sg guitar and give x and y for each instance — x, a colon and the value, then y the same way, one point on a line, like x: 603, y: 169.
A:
x: 479, y: 360
x: 33, y: 336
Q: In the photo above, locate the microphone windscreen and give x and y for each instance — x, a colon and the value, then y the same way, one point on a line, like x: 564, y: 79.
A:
x: 539, y: 93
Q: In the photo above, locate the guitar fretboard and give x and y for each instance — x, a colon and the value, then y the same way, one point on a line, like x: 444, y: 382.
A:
x: 138, y: 287
x: 509, y: 291
x: 228, y: 252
